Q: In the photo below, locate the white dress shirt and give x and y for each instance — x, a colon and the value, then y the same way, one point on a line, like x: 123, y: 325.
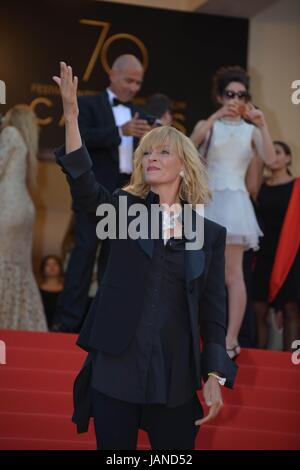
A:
x: 171, y: 222
x: 122, y: 114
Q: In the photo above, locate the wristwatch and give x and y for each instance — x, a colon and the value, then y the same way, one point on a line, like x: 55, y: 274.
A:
x: 221, y: 380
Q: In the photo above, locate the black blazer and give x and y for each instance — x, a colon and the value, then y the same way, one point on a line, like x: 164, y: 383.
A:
x: 113, y: 317
x: 101, y: 136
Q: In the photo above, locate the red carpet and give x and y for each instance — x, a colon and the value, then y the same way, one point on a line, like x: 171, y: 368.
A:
x: 262, y: 412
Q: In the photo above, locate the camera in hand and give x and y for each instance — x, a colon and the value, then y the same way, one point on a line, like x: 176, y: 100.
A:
x: 152, y: 120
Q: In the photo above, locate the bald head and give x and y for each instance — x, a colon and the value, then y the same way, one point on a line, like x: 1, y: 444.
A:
x: 126, y: 77
x: 126, y: 61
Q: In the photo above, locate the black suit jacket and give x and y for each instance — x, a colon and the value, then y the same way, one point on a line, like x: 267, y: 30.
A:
x: 101, y: 136
x: 112, y: 320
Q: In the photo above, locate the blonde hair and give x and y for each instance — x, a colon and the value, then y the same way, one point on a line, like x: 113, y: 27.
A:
x: 193, y: 187
x: 23, y: 118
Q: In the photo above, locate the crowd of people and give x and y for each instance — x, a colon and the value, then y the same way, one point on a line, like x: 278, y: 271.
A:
x: 253, y: 195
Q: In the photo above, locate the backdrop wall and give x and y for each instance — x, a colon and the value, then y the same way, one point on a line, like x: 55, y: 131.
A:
x: 180, y: 50
x: 274, y: 63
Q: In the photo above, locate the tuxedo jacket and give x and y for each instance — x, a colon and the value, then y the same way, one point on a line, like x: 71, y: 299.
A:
x: 101, y: 136
x: 115, y: 313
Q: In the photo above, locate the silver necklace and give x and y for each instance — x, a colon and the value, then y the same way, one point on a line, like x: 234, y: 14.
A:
x: 232, y: 126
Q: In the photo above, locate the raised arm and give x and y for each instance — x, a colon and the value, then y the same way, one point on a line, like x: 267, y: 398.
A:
x: 254, y: 176
x: 86, y: 192
x: 261, y: 138
x: 68, y: 89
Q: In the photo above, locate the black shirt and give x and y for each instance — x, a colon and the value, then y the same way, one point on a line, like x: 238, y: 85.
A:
x: 158, y: 365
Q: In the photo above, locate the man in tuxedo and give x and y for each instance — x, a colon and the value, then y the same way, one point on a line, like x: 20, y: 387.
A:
x: 110, y: 127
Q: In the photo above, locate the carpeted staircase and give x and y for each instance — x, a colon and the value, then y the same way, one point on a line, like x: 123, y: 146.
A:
x: 262, y: 412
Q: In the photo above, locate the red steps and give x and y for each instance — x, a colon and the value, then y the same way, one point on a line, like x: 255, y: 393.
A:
x: 210, y: 437
x: 38, y: 340
x: 60, y: 402
x: 10, y: 443
x: 28, y: 402
x: 67, y: 342
x: 37, y: 379
x: 278, y: 399
x: 35, y: 401
x: 230, y: 416
x: 262, y: 412
x: 225, y: 438
x: 43, y: 379
x: 60, y: 360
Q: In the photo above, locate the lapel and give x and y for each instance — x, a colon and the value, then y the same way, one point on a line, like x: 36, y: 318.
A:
x: 194, y: 264
x: 147, y: 244
x: 133, y: 110
x: 109, y: 118
x: 194, y: 259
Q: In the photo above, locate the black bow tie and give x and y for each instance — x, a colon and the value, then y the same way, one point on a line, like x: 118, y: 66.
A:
x: 116, y: 102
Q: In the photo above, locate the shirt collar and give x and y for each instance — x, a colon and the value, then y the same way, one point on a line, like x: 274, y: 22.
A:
x: 111, y: 95
x: 153, y: 197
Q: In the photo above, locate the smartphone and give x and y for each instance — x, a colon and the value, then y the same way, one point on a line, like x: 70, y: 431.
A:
x: 152, y: 120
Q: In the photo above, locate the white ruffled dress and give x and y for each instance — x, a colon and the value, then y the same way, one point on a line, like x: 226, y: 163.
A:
x: 229, y: 155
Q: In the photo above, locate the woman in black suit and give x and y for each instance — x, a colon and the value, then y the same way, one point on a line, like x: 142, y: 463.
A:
x: 158, y: 296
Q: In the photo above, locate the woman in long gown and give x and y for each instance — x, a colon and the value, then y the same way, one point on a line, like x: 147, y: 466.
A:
x: 20, y: 303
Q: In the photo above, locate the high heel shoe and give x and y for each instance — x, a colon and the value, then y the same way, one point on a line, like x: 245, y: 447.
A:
x: 234, y: 352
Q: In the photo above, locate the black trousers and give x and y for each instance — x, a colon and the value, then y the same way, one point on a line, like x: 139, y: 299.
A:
x: 117, y: 423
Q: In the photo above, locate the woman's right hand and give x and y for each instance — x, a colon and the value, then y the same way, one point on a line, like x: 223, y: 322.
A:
x: 228, y: 110
x: 68, y: 90
x: 203, y: 127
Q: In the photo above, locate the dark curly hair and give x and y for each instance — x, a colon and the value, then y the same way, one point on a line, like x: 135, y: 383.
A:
x: 226, y: 75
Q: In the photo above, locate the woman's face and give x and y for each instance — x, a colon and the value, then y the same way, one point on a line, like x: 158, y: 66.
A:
x: 161, y: 165
x: 51, y: 268
x: 282, y: 159
x: 235, y: 93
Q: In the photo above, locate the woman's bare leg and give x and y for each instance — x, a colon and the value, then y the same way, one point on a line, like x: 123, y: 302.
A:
x: 237, y: 297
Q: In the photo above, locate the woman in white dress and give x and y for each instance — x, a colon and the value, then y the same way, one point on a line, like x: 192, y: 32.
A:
x: 229, y: 144
x: 20, y: 303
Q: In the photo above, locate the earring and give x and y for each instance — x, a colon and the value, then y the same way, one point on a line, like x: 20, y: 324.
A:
x: 181, y: 173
